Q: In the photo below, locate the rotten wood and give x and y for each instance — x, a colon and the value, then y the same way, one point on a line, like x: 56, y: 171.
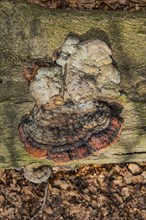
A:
x: 30, y: 32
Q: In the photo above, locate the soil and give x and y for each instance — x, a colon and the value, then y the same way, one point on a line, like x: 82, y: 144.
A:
x: 94, y: 192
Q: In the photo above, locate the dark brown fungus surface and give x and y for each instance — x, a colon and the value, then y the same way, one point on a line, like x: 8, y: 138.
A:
x: 72, y: 117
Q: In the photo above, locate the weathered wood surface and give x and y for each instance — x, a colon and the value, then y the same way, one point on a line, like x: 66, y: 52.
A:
x: 29, y: 31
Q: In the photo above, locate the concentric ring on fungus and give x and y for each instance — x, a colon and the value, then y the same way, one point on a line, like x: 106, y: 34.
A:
x: 73, y: 117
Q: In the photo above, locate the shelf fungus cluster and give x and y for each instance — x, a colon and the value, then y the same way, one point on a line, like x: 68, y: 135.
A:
x: 74, y: 115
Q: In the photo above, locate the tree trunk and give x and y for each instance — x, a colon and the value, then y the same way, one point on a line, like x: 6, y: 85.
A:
x: 29, y: 32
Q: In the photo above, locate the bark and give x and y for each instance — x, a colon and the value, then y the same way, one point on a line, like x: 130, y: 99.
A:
x: 29, y: 32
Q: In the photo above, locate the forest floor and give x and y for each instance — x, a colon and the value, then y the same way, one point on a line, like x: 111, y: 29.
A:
x: 124, y: 5
x: 94, y: 192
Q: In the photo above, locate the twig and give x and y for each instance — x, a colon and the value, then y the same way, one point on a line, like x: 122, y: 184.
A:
x: 43, y: 204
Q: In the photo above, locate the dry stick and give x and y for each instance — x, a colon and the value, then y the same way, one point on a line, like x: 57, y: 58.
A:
x: 44, y: 203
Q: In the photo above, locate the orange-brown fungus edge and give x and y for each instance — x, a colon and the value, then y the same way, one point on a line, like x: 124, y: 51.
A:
x: 96, y: 142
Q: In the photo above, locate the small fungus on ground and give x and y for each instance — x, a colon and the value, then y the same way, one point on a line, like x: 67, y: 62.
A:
x: 73, y: 116
x: 37, y: 173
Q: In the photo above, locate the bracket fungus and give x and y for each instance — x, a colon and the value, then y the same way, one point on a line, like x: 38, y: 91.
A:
x: 73, y: 116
